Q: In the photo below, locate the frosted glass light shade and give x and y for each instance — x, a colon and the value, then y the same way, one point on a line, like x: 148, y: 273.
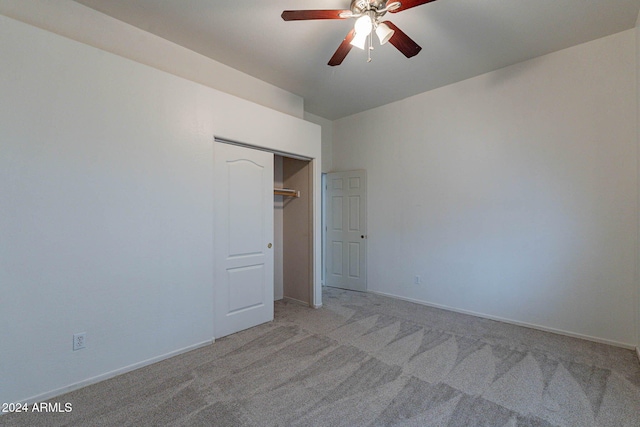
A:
x: 362, y: 27
x: 359, y: 41
x: 384, y: 33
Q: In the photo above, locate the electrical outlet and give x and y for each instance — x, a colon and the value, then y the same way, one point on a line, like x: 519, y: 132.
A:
x: 79, y: 341
x: 417, y: 280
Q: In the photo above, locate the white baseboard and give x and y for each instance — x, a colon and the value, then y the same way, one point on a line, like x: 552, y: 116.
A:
x: 513, y: 322
x: 66, y: 389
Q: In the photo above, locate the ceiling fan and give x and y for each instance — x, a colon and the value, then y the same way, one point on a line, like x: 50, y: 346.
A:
x: 367, y: 14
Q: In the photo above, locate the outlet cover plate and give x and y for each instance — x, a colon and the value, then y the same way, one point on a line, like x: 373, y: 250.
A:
x: 79, y: 341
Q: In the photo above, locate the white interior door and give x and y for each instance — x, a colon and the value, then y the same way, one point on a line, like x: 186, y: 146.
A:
x: 346, y: 230
x: 243, y: 287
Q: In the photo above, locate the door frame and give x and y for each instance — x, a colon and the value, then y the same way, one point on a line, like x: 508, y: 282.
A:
x: 323, y: 227
x: 311, y: 153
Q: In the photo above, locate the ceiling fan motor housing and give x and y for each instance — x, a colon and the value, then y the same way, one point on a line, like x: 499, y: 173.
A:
x: 361, y: 6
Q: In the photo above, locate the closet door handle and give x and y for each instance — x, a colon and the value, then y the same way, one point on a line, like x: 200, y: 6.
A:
x: 269, y: 245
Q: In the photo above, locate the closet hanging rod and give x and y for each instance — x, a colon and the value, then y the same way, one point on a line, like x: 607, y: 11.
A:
x: 286, y: 192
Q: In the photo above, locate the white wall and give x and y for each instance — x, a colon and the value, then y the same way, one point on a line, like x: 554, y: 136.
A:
x: 513, y: 194
x: 107, y: 208
x: 81, y: 23
x: 327, y: 139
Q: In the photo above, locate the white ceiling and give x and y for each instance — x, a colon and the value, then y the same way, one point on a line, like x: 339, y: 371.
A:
x: 459, y: 38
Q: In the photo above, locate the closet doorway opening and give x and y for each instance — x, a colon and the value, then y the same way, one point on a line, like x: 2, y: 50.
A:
x: 293, y: 230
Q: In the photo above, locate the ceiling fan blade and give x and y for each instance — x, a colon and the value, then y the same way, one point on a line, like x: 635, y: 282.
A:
x: 403, y: 42
x: 408, y: 4
x: 300, y: 15
x: 343, y: 49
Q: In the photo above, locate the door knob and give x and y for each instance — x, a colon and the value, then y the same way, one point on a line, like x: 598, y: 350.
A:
x: 269, y: 245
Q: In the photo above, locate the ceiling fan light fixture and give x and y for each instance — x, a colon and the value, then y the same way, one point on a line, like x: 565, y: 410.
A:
x: 362, y: 27
x: 384, y: 33
x: 360, y: 40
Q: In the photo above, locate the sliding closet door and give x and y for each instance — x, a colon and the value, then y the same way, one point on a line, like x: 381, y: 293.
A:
x: 243, y: 287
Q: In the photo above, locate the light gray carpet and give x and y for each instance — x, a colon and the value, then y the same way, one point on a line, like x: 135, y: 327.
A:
x: 367, y: 360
